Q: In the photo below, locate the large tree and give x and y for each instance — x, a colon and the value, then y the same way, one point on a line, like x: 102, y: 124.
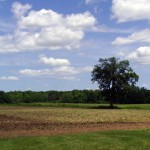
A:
x: 113, y: 76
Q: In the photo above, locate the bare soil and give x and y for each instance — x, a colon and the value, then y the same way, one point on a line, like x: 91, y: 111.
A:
x: 12, y: 126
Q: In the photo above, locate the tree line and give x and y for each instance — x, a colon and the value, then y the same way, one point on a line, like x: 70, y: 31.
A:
x: 130, y: 95
x: 116, y: 80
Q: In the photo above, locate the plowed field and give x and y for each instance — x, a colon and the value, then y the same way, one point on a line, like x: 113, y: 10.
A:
x: 34, y: 121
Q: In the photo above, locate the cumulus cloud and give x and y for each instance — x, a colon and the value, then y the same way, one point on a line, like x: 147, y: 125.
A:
x: 62, y: 73
x: 45, y: 29
x: 19, y: 10
x: 54, y: 62
x: 32, y: 72
x: 141, y: 55
x: 9, y: 78
x: 130, y: 10
x: 81, y: 21
x: 141, y: 36
x: 64, y: 70
x: 56, y: 71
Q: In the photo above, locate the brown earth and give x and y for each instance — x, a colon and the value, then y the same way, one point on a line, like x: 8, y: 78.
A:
x: 12, y: 126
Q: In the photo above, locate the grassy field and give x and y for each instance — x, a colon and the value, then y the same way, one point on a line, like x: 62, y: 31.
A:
x: 61, y: 114
x: 112, y: 140
x: 74, y: 126
x: 135, y: 106
x: 86, y: 106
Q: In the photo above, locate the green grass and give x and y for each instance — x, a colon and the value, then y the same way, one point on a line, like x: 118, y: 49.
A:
x: 110, y: 140
x: 58, y: 105
x: 135, y: 106
x: 86, y: 106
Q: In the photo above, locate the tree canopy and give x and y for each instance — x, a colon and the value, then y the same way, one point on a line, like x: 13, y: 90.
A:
x: 113, y: 76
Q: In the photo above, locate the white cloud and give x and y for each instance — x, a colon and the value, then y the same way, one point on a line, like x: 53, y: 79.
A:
x: 65, y: 70
x: 121, y: 53
x: 19, y: 10
x: 87, y: 69
x: 59, y: 68
x: 54, y: 62
x: 60, y: 71
x: 9, y: 78
x: 81, y: 21
x: 69, y: 78
x: 131, y: 10
x: 31, y: 72
x: 105, y: 29
x: 49, y: 18
x: 141, y: 55
x: 56, y: 71
x: 141, y: 36
x: 45, y: 29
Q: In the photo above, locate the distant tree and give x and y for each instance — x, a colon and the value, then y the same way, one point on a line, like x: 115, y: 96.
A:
x: 4, y: 98
x: 134, y: 95
x: 113, y: 76
x: 54, y: 96
x: 93, y: 96
x: 78, y: 96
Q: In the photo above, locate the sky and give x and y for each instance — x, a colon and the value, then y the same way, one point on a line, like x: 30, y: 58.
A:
x: 54, y: 44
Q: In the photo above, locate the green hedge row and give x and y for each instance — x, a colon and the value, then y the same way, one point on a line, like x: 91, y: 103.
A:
x: 131, y: 95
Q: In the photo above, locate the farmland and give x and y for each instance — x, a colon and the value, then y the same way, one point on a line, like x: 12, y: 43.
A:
x: 74, y: 126
x: 44, y: 121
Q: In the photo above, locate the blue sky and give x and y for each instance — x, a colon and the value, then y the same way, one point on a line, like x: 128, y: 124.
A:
x: 53, y: 45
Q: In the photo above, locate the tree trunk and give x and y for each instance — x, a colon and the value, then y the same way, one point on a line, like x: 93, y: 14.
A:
x: 111, y: 102
x: 112, y: 95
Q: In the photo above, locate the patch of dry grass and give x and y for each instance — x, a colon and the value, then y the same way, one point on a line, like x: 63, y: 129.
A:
x: 73, y: 115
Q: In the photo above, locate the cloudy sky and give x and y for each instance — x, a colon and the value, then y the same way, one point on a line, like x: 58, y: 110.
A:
x: 53, y: 45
